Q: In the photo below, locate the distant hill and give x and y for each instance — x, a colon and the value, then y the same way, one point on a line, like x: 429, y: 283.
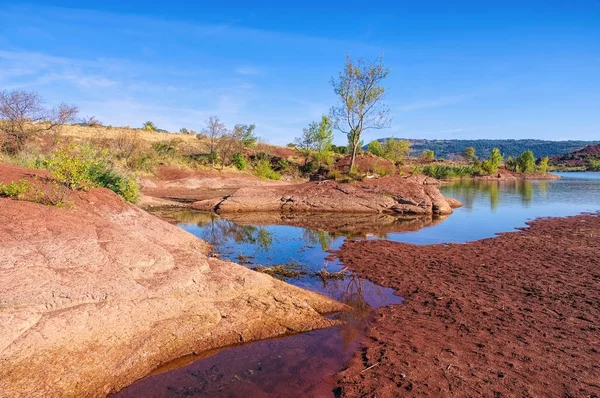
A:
x: 452, y: 148
x: 587, y: 158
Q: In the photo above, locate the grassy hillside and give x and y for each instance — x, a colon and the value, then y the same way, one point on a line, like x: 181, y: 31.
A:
x: 451, y: 148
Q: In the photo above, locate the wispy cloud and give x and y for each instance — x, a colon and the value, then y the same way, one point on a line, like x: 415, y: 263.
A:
x: 433, y: 103
x: 248, y: 70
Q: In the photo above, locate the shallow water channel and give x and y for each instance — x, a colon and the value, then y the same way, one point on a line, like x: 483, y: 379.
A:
x: 304, y: 364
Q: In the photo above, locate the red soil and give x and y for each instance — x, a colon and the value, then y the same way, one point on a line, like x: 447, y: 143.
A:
x: 514, y: 315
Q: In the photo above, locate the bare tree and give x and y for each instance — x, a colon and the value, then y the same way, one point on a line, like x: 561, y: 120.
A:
x: 214, y: 130
x: 361, y: 105
x: 23, y: 115
x: 90, y: 121
x: 231, y: 142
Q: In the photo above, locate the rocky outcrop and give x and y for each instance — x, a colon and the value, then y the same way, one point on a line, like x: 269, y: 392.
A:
x: 96, y: 296
x: 396, y: 195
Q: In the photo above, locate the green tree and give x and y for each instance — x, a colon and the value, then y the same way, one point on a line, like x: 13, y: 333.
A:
x: 149, y: 126
x: 316, y: 139
x: 247, y: 134
x: 527, y: 162
x: 511, y: 164
x: 396, y: 150
x: 491, y: 165
x: 469, y: 154
x: 375, y: 148
x: 360, y: 92
x: 543, y: 165
x: 428, y: 155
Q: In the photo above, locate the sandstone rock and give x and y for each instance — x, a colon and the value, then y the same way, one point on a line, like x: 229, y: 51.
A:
x: 95, y: 297
x: 407, y: 196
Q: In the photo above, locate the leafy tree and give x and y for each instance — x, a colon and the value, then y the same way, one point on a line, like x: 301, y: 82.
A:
x: 184, y: 130
x: 375, y: 148
x: 491, y: 165
x: 230, y: 142
x: 239, y: 161
x: 396, y: 150
x: 342, y: 149
x: 469, y: 154
x: 527, y: 162
x: 23, y: 115
x: 543, y: 165
x: 428, y: 155
x: 316, y: 138
x: 511, y: 164
x: 149, y: 126
x: 360, y: 92
x: 247, y: 136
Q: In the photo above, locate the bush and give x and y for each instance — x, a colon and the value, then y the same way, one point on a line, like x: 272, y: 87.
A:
x: 87, y: 168
x: 15, y: 189
x: 593, y: 165
x: 239, y: 161
x: 263, y: 170
x: 442, y: 171
x: 71, y: 169
x: 427, y: 155
x: 375, y: 148
x: 542, y: 166
x: 382, y: 170
x: 165, y: 148
x: 283, y: 165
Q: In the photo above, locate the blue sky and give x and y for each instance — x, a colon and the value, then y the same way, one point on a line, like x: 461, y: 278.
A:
x: 459, y: 69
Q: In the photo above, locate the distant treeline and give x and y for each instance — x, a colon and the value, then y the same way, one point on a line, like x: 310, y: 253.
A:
x: 449, y: 149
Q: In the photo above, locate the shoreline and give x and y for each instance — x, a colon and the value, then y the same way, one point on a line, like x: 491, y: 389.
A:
x: 516, y: 314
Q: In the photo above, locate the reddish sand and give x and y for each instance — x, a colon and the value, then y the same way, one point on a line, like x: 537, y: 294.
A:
x: 514, y: 315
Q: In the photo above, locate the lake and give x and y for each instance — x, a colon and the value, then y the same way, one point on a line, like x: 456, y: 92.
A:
x: 303, y: 365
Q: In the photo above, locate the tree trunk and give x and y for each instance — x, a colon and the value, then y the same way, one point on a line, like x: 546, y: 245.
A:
x: 354, y: 145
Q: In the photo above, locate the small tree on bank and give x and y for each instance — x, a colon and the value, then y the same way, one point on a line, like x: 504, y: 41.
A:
x: 543, y: 165
x: 527, y: 162
x: 469, y: 154
x: 316, y: 139
x: 375, y: 148
x: 23, y: 115
x: 360, y: 92
x: 427, y: 155
x: 492, y: 164
x: 214, y: 130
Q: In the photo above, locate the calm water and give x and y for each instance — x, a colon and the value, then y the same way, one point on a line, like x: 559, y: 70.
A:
x: 303, y: 365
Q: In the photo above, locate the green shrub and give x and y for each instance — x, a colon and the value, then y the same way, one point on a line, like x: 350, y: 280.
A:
x: 165, y: 148
x: 263, y: 169
x: 427, y: 155
x: 375, y: 148
x: 16, y: 189
x: 442, y: 171
x: 239, y: 161
x: 593, y: 165
x: 283, y: 165
x: 383, y: 170
x: 125, y: 186
x: 542, y: 166
x: 87, y: 168
x: 511, y: 164
x: 72, y: 169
